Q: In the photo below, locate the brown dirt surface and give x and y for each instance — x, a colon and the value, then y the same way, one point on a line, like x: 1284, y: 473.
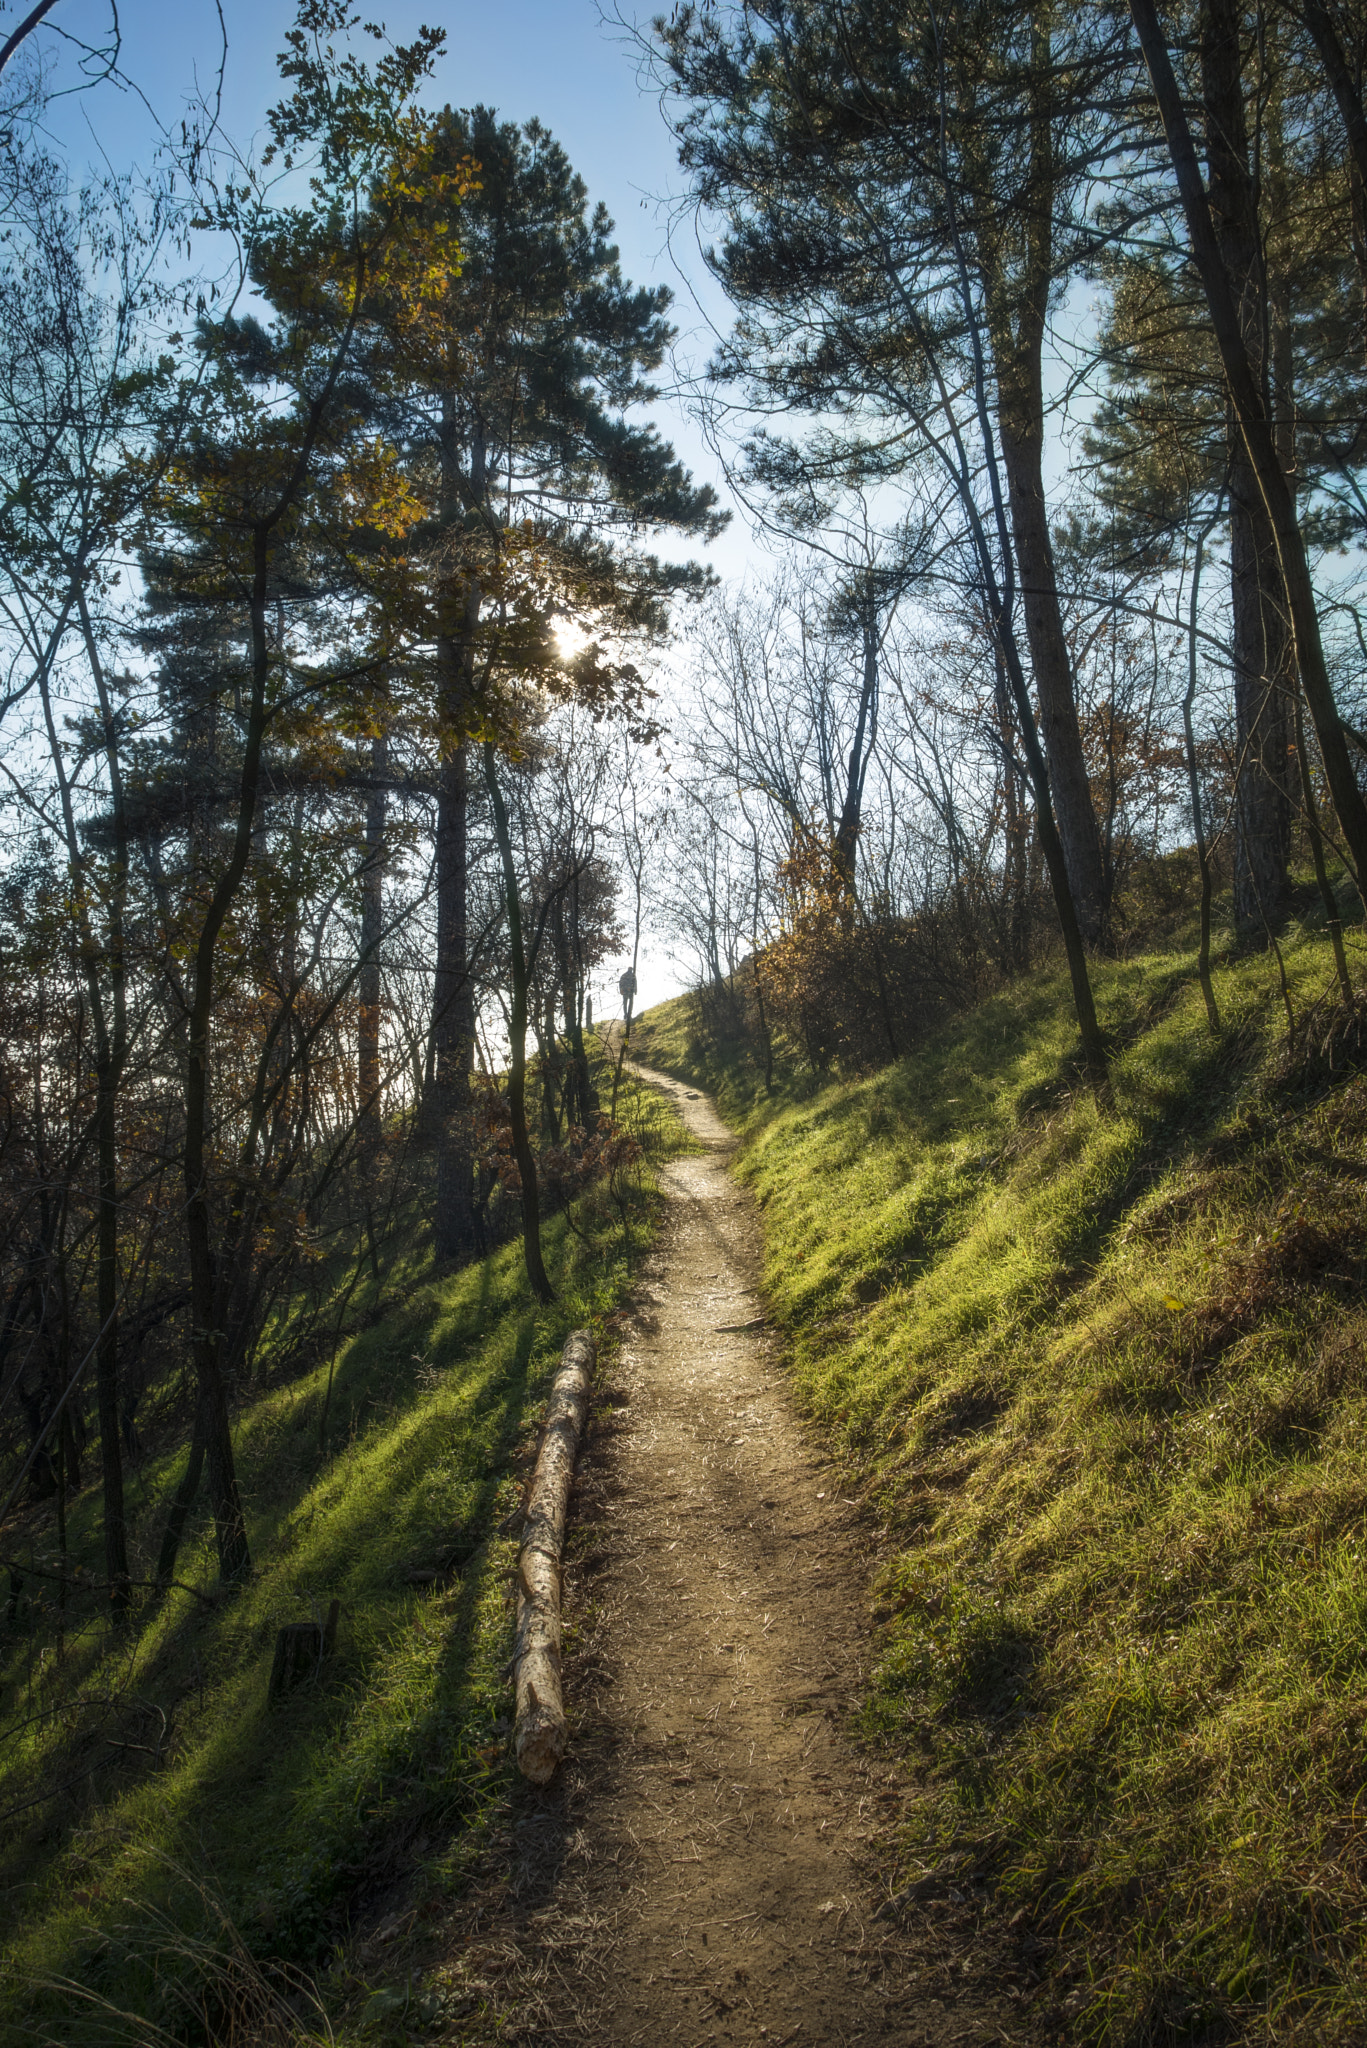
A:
x: 713, y: 1861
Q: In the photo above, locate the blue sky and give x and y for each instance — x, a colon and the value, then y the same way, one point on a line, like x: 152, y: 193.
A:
x: 555, y: 59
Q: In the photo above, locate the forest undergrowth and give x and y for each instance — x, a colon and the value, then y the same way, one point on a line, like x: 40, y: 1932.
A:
x: 1101, y: 1378
x: 181, y: 1859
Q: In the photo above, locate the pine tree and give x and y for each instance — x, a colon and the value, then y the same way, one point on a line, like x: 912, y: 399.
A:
x: 898, y: 191
x: 516, y: 393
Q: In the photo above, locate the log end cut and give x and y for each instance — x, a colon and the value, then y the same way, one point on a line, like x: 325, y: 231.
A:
x: 541, y: 1739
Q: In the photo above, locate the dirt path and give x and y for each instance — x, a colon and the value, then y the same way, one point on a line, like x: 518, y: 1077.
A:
x: 707, y: 1870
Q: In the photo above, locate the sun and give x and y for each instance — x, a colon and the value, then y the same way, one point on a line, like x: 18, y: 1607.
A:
x: 570, y: 638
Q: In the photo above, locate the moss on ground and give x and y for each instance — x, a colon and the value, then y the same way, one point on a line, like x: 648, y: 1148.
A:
x: 1102, y: 1378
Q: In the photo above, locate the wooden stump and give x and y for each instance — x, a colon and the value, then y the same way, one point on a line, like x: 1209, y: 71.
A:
x: 299, y: 1652
x: 540, y: 1733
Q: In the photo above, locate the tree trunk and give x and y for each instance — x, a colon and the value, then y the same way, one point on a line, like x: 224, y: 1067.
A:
x: 1194, y: 786
x: 230, y: 1526
x: 766, y: 1042
x: 557, y: 1076
x: 517, y: 1036
x: 368, y: 981
x: 111, y: 1040
x: 183, y: 1502
x: 1345, y: 90
x: 1250, y: 406
x: 107, y: 1354
x: 455, y: 1225
x: 1261, y: 653
x: 453, y: 1022
x: 861, y: 747
x: 574, y: 1017
x: 1021, y: 423
x: 1284, y: 431
x: 1016, y: 831
x: 558, y: 1070
x: 1261, y: 640
x: 1016, y: 308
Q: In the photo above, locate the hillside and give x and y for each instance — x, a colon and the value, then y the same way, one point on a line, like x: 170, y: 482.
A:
x: 1100, y: 1381
x: 178, y: 1853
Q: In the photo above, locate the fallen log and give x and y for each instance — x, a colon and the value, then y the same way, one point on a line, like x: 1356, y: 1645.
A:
x: 540, y: 1734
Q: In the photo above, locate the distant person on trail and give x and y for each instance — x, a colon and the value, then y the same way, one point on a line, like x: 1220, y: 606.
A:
x: 626, y: 987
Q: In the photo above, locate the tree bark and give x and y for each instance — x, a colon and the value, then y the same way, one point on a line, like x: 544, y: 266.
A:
x: 1022, y: 449
x: 766, y: 1041
x: 1198, y: 822
x: 1017, y: 308
x: 109, y: 1023
x: 1344, y: 88
x: 1261, y: 646
x: 107, y: 1356
x: 230, y: 1526
x: 559, y: 1070
x: 1341, y: 81
x: 454, y: 1234
x: 517, y: 1036
x: 574, y: 1016
x: 455, y: 1225
x: 372, y: 926
x: 1258, y: 439
x: 1094, y: 1054
x: 850, y: 822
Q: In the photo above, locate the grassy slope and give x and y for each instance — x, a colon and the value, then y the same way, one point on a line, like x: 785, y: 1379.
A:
x: 1103, y: 1379
x: 299, y: 1817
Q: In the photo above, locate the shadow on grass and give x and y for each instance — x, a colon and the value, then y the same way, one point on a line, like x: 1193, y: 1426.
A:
x: 382, y: 1773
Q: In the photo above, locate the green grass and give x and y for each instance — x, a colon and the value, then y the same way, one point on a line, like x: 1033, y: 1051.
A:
x: 1103, y: 1380
x: 294, y: 1819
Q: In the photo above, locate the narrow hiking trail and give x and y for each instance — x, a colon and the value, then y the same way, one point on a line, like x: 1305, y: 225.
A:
x: 705, y: 1866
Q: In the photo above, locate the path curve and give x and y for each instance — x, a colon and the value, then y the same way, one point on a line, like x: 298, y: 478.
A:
x: 706, y: 1870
